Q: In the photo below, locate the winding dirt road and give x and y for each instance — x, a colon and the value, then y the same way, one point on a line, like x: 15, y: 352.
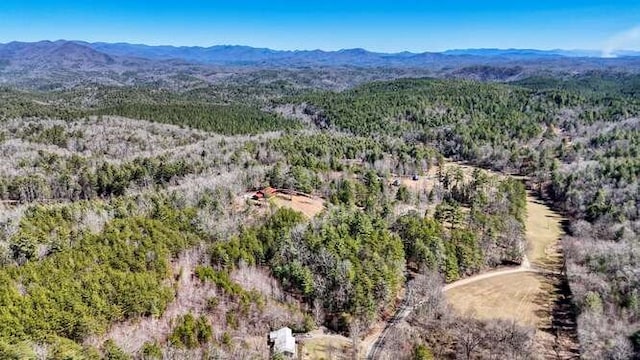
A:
x: 543, y: 233
x: 542, y: 258
x: 488, y: 275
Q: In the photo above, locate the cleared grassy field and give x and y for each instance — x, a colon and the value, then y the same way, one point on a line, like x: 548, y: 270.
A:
x: 424, y: 184
x: 543, y: 231
x: 328, y: 347
x: 427, y: 180
x: 309, y: 206
x: 525, y: 297
x: 511, y: 297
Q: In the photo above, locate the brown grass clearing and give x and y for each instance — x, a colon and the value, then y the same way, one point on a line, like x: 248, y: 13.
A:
x: 309, y: 206
x: 424, y: 184
x: 525, y: 297
x: 325, y: 346
x: 509, y: 297
x: 543, y: 231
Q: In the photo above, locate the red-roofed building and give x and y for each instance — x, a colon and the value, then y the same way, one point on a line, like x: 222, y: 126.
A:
x: 265, y: 193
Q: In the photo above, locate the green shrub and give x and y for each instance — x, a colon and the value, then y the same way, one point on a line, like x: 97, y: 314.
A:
x: 18, y: 351
x: 212, y: 303
x: 226, y: 339
x: 190, y: 332
x: 421, y: 352
x: 65, y: 349
x: 113, y: 352
x: 151, y: 351
x: 403, y: 194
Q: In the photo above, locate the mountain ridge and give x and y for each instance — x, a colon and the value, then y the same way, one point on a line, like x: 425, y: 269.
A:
x: 189, y: 52
x: 68, y: 63
x: 247, y: 55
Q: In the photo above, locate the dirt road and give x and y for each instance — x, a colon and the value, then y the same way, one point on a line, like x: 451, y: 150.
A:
x: 531, y: 294
x: 477, y: 293
x: 488, y: 275
x: 542, y: 256
x: 523, y: 283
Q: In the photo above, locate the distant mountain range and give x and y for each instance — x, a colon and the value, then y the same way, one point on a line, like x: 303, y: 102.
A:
x: 103, y: 54
x: 54, y: 54
x: 246, y: 55
x: 68, y: 62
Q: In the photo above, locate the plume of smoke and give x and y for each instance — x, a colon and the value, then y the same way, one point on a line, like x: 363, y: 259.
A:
x: 621, y: 41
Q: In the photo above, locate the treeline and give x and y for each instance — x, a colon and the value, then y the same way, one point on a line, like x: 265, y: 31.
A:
x: 602, y: 253
x: 596, y: 83
x: 56, y: 135
x: 21, y: 104
x: 76, y: 180
x: 325, y: 151
x: 419, y: 104
x: 222, y: 119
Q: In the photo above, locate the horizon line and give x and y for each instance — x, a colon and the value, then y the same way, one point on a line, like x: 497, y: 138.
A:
x: 599, y: 51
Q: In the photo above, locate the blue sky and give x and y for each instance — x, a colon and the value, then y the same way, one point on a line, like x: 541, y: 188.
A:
x: 375, y: 25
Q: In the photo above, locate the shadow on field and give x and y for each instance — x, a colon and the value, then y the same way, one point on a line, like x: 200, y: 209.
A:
x: 562, y: 324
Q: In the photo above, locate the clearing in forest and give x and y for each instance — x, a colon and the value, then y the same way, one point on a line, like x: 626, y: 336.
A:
x: 326, y: 347
x: 426, y: 181
x: 524, y: 294
x: 310, y: 206
x: 509, y: 296
x: 544, y: 228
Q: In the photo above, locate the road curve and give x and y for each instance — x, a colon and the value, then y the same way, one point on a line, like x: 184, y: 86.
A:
x: 488, y: 275
x: 404, y: 310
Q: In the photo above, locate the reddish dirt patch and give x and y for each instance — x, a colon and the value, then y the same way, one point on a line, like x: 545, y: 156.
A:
x: 309, y: 206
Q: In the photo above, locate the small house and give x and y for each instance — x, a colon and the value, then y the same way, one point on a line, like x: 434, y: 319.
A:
x: 282, y: 342
x: 265, y: 193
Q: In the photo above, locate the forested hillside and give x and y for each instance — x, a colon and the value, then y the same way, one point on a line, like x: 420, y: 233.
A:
x: 73, y: 189
x: 575, y: 138
x: 128, y: 228
x: 215, y: 109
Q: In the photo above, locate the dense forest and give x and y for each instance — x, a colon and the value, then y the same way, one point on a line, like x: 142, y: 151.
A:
x: 212, y: 109
x: 575, y: 138
x: 107, y: 222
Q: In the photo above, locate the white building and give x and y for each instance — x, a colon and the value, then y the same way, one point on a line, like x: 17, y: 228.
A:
x: 283, y: 342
